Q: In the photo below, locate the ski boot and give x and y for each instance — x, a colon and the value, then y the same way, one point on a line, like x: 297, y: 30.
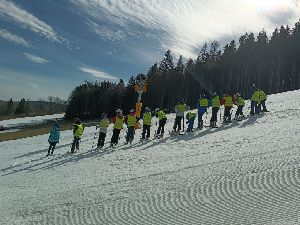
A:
x: 214, y: 125
x: 200, y: 126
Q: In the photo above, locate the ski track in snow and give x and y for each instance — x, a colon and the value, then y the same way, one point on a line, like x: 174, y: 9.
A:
x: 241, y: 173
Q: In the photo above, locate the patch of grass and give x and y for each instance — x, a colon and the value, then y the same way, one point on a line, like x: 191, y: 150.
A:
x: 32, y: 131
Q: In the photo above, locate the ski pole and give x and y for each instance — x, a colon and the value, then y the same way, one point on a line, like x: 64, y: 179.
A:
x: 183, y: 122
x: 95, y: 137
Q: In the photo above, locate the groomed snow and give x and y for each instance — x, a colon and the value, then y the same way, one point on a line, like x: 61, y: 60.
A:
x: 29, y: 120
x: 244, y: 173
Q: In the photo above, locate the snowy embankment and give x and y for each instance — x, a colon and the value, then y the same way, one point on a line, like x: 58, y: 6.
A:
x: 29, y: 120
x: 242, y: 173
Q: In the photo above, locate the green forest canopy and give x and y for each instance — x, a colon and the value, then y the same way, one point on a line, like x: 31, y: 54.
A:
x: 271, y: 63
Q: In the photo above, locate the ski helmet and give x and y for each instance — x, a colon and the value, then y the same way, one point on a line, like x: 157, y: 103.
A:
x: 131, y: 110
x: 181, y: 100
x: 157, y: 109
x: 118, y: 111
x: 147, y: 109
x: 103, y: 115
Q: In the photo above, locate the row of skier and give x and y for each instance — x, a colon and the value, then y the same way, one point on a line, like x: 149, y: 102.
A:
x: 258, y: 100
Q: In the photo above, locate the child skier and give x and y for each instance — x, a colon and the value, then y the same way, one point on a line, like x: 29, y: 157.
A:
x: 263, y: 98
x: 77, y: 132
x: 190, y: 116
x: 162, y: 120
x: 147, y: 117
x: 255, y: 102
x: 53, y: 138
x: 180, y: 108
x: 118, y: 126
x: 227, y: 101
x: 130, y: 121
x: 202, y: 106
x: 215, y: 104
x: 240, y: 102
x: 103, y: 125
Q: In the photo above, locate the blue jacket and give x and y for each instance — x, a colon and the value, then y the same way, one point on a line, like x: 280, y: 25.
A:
x: 54, y: 134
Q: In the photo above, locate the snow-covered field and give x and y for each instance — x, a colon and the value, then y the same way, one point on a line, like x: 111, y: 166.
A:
x: 29, y: 120
x: 242, y: 173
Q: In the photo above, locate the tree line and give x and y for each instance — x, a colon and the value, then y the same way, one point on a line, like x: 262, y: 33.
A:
x: 271, y: 63
x: 32, y: 108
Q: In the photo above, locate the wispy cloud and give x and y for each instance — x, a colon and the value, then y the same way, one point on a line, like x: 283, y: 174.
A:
x: 11, y: 11
x: 13, y: 38
x: 97, y: 73
x: 35, y: 58
x: 111, y: 33
x: 184, y: 25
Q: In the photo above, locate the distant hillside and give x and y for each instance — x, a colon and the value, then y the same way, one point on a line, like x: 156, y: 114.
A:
x: 15, y: 109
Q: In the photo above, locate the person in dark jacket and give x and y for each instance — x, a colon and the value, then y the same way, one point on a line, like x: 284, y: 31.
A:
x: 53, y: 138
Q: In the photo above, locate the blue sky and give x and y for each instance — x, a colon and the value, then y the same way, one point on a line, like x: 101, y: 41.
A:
x: 47, y: 47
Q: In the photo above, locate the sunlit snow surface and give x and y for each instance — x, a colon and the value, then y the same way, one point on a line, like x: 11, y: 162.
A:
x: 243, y: 173
x: 29, y: 120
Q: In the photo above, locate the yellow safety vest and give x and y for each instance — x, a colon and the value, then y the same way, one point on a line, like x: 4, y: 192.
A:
x: 240, y: 101
x: 147, y: 118
x: 131, y: 121
x: 203, y: 102
x: 228, y: 101
x: 161, y: 115
x: 215, y: 102
x: 191, y: 115
x: 119, y: 123
x: 255, y: 96
x: 181, y: 107
x: 104, y: 123
x: 262, y: 96
x: 79, y: 131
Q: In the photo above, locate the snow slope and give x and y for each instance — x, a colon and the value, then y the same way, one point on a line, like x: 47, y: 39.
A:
x: 245, y: 173
x: 29, y: 120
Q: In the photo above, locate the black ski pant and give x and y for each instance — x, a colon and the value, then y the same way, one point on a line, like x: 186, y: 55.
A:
x: 115, y: 136
x: 51, y: 147
x: 214, y: 115
x: 146, y: 129
x: 101, y: 139
x: 263, y: 107
x: 239, y: 111
x: 75, y: 144
x: 130, y: 134
x: 177, y: 123
x: 254, y: 108
x: 227, y: 115
x: 161, y: 126
x: 200, y: 119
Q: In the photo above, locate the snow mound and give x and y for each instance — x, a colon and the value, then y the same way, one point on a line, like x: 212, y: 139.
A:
x: 241, y: 173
